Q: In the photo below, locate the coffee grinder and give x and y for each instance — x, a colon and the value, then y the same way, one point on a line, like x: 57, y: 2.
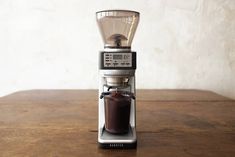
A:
x: 117, y: 63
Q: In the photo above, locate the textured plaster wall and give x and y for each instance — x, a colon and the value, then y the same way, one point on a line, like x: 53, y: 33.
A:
x: 55, y: 44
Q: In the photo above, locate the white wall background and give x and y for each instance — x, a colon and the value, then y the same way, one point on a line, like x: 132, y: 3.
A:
x: 180, y: 44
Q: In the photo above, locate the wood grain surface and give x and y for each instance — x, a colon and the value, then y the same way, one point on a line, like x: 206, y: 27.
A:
x: 170, y: 123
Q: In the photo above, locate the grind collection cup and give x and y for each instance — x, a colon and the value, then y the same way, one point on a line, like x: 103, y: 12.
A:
x: 117, y: 111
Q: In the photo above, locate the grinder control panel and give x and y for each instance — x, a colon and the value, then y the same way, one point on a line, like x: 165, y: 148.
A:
x: 117, y: 59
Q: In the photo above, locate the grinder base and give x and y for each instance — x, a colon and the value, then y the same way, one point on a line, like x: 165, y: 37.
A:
x: 123, y: 141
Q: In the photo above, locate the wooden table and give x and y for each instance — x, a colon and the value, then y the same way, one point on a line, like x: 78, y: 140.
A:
x: 173, y: 123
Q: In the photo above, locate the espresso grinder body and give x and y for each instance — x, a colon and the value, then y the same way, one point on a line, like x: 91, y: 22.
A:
x: 117, y: 64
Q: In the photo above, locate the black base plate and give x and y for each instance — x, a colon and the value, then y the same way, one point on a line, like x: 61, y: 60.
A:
x: 118, y: 145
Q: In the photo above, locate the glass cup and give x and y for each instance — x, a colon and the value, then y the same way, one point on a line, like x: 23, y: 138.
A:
x: 117, y: 111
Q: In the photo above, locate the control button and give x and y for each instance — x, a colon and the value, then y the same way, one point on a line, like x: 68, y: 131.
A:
x: 127, y: 63
x: 126, y: 56
x: 122, y: 63
x: 115, y: 63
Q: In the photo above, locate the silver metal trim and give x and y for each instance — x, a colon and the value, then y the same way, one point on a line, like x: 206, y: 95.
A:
x: 117, y: 73
x: 117, y: 50
x: 118, y: 138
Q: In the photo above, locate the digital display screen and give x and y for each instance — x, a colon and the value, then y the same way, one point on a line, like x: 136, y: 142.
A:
x: 117, y: 56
